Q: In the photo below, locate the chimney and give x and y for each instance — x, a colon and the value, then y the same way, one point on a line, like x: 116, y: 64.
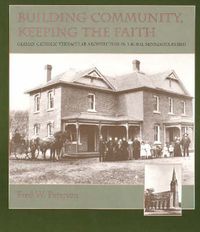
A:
x: 136, y: 65
x: 48, y: 67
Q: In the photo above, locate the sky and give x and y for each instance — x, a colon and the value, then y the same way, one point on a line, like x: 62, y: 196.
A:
x: 159, y: 177
x: 28, y: 70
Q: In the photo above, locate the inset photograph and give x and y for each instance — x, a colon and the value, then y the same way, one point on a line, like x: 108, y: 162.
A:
x: 163, y: 190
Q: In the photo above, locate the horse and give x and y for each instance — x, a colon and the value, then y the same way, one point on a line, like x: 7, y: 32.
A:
x: 54, y: 144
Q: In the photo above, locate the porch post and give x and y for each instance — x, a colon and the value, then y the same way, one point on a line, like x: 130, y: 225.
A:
x: 100, y: 130
x: 180, y: 131
x: 127, y: 126
x: 140, y: 131
x: 164, y: 134
x: 77, y: 136
x: 63, y: 126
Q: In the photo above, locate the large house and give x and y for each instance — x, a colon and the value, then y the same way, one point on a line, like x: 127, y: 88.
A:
x: 88, y: 104
x: 164, y: 200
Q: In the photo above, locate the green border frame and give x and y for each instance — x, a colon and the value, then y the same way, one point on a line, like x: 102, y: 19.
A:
x: 85, y: 220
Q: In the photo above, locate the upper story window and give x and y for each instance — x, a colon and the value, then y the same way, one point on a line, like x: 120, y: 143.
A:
x: 156, y: 103
x: 171, y: 105
x: 36, y: 129
x: 49, y: 129
x: 91, y: 102
x: 50, y: 100
x: 156, y: 133
x: 37, y: 103
x: 183, y: 110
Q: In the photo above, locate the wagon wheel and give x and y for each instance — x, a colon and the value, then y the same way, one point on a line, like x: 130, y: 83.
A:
x: 37, y: 152
x: 18, y: 153
x: 28, y: 154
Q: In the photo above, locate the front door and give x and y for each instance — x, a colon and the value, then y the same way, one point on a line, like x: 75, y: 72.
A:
x: 171, y: 135
x: 91, y: 138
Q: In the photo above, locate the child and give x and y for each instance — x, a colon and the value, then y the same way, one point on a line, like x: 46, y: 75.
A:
x: 171, y: 150
x: 143, y: 152
x: 166, y: 151
x: 148, y: 150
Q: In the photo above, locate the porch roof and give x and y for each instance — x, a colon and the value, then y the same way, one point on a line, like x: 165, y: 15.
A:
x: 93, y: 117
x: 180, y: 120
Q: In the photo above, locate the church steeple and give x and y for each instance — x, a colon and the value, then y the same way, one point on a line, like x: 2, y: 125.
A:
x: 174, y: 175
x: 174, y: 181
x: 174, y: 189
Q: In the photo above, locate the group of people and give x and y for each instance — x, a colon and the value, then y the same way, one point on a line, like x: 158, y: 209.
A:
x: 184, y: 143
x: 116, y: 149
x: 122, y: 149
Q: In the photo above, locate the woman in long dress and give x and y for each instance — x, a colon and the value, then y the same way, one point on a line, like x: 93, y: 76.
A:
x: 143, y: 153
x: 148, y: 150
x: 177, y: 147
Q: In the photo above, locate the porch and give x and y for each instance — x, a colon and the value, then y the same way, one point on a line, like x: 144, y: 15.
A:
x: 84, y: 136
x: 178, y: 128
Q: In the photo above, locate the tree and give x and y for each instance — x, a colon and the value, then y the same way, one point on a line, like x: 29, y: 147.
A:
x: 19, y: 123
x: 148, y: 198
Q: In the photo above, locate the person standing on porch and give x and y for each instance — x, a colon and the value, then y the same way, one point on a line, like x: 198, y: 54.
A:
x: 143, y: 152
x: 185, y: 142
x: 171, y: 150
x: 148, y: 150
x: 136, y: 148
x: 125, y: 149
x: 110, y: 149
x: 130, y: 149
x: 177, y: 147
x: 102, y: 149
x: 115, y: 148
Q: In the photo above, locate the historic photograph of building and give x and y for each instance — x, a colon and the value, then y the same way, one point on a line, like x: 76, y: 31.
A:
x: 102, y: 115
x: 156, y: 108
x: 162, y: 197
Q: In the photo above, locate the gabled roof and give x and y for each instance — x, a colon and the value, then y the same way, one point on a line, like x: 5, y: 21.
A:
x: 138, y: 80
x: 125, y: 82
x: 131, y: 81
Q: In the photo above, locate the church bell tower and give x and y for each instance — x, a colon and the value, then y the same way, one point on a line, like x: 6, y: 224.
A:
x: 174, y: 189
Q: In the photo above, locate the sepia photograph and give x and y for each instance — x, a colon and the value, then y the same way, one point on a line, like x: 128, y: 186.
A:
x: 100, y: 118
x: 163, y: 198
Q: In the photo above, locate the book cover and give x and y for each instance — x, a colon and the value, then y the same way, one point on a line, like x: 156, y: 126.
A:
x: 96, y: 94
x: 102, y: 109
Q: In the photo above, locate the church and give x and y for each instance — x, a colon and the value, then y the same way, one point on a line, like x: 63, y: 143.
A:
x: 163, y: 200
x: 89, y: 104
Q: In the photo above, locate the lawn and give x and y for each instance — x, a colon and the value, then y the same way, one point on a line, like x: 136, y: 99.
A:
x: 90, y: 171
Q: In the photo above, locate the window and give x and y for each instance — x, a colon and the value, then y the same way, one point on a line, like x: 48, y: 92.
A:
x: 156, y: 103
x: 157, y: 133
x: 49, y: 129
x: 71, y: 129
x: 36, y: 129
x: 183, y: 130
x: 50, y: 100
x: 183, y: 107
x: 171, y: 105
x: 37, y: 103
x: 91, y: 102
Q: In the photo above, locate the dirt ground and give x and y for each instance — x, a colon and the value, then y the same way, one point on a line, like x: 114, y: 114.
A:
x: 91, y: 171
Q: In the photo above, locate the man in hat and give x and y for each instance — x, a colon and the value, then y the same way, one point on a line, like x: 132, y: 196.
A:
x: 185, y: 142
x: 136, y: 148
x: 102, y: 149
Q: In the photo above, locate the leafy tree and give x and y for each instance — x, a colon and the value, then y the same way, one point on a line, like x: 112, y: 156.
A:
x: 19, y: 123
